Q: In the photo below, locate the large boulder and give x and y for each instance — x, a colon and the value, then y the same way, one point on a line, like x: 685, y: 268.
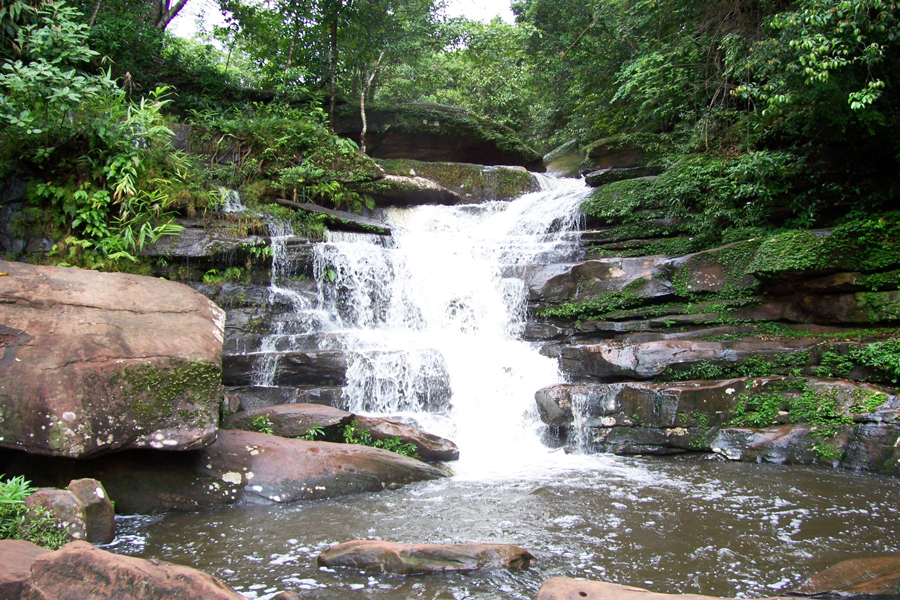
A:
x: 241, y: 466
x: 564, y: 588
x: 95, y: 362
x: 863, y: 577
x: 416, y: 559
x: 79, y: 570
x: 398, y: 190
x: 295, y: 420
x: 16, y: 557
x: 472, y: 183
x: 435, y: 133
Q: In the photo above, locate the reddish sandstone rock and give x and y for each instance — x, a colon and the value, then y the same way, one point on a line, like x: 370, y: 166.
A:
x: 95, y: 362
x: 412, y: 559
x: 64, y: 506
x: 16, y: 557
x: 78, y: 571
x: 99, y: 514
x: 563, y: 588
x: 239, y: 466
x: 295, y: 420
x: 856, y: 577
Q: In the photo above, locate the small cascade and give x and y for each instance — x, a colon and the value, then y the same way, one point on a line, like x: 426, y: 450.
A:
x: 431, y: 318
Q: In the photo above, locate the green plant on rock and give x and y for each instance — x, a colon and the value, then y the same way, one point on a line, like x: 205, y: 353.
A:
x: 263, y: 424
x: 354, y: 433
x: 313, y: 433
x: 18, y: 522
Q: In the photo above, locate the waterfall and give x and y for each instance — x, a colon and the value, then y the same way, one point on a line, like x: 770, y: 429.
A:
x: 431, y: 319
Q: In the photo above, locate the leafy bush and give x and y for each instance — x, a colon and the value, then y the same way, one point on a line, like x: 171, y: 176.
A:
x: 17, y: 522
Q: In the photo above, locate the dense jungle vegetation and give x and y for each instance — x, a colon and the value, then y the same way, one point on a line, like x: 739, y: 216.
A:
x: 766, y: 114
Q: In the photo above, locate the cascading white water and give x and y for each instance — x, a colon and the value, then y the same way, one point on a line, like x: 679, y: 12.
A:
x: 432, y: 320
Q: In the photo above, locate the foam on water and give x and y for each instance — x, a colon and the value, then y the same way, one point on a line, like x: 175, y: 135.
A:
x: 433, y: 318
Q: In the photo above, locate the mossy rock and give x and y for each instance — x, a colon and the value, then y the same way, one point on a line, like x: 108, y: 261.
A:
x: 435, y: 133
x: 473, y: 183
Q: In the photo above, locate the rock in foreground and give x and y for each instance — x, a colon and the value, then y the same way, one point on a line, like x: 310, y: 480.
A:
x: 95, y: 362
x: 16, y: 557
x: 563, y: 588
x: 79, y: 570
x: 414, y: 559
x: 868, y: 577
x: 239, y: 466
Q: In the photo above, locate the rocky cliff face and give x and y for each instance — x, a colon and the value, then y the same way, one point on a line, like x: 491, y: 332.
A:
x: 780, y: 348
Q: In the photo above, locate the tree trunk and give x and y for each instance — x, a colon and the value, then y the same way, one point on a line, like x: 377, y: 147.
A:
x: 332, y: 34
x: 161, y: 14
x: 362, y: 103
x: 94, y: 14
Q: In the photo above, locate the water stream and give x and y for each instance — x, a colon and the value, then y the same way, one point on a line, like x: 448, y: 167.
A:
x: 431, y: 319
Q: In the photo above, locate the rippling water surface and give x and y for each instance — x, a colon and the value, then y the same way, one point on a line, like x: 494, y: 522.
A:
x: 669, y: 525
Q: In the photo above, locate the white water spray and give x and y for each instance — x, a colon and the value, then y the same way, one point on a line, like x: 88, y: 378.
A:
x: 432, y: 320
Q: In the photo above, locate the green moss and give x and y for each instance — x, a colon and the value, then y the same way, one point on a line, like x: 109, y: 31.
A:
x: 881, y: 306
x: 498, y: 183
x: 762, y: 365
x: 624, y: 202
x: 728, y: 265
x: 154, y: 393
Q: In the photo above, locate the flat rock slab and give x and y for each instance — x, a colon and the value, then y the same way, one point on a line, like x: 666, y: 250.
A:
x: 295, y: 420
x: 341, y: 220
x: 79, y: 570
x: 869, y: 577
x: 431, y: 448
x: 414, y: 559
x: 398, y: 190
x: 241, y: 466
x: 563, y: 588
x: 95, y: 362
x: 16, y: 557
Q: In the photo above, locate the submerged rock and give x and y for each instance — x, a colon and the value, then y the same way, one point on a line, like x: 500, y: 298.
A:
x: 858, y: 577
x: 564, y: 588
x: 97, y: 362
x: 416, y: 559
x: 79, y: 570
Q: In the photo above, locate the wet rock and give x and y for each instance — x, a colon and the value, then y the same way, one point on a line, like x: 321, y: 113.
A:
x: 564, y: 588
x: 294, y: 420
x: 241, y: 466
x: 414, y: 559
x: 287, y: 595
x: 84, y: 508
x: 612, y: 153
x: 64, y: 507
x: 472, y: 183
x: 566, y: 160
x: 692, y: 416
x: 250, y: 397
x: 96, y: 362
x: 80, y: 570
x: 99, y: 515
x: 16, y: 557
x: 431, y: 448
x: 340, y: 220
x: 611, y: 175
x: 589, y: 280
x: 645, y: 360
x: 395, y: 190
x: 863, y: 577
x: 293, y: 369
